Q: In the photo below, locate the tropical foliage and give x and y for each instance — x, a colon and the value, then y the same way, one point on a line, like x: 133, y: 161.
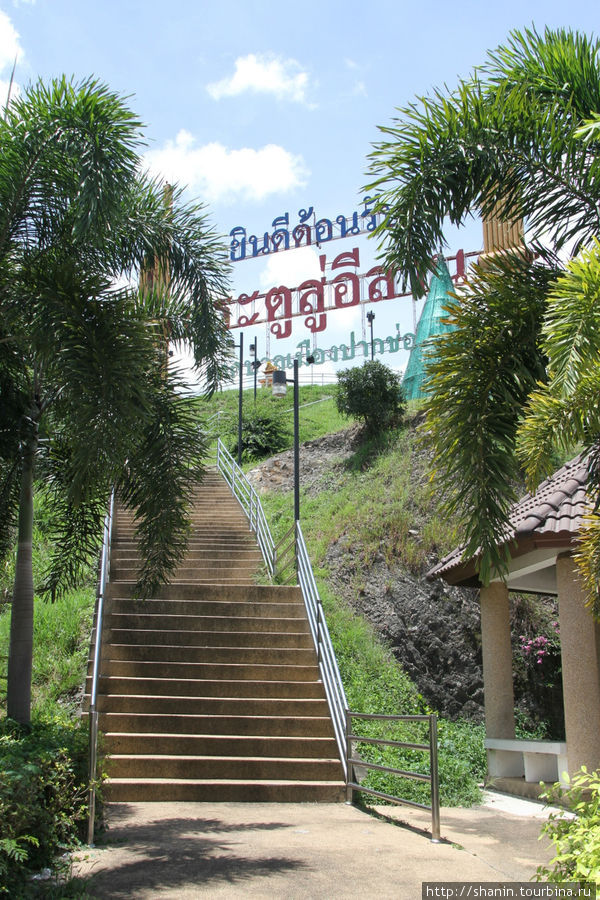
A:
x: 518, y: 139
x: 371, y: 393
x: 265, y: 428
x: 88, y: 398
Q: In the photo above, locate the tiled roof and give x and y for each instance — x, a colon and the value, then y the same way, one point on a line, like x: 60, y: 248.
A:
x: 553, y: 513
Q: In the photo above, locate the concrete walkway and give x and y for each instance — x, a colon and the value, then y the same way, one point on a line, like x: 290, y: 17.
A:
x: 305, y: 851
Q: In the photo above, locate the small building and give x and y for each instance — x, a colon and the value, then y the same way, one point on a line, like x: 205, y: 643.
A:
x: 542, y: 536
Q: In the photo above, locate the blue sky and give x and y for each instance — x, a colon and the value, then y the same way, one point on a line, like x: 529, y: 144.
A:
x: 264, y: 108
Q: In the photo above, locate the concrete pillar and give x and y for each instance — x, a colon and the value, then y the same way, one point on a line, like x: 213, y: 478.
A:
x: 497, y: 661
x: 580, y: 669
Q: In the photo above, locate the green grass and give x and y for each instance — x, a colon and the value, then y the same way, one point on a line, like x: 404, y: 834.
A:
x: 61, y: 635
x: 321, y: 417
x: 379, y: 502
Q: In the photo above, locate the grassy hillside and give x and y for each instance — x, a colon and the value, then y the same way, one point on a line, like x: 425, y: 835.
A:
x: 371, y: 505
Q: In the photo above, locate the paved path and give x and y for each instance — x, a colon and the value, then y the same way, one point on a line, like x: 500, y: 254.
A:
x: 306, y: 851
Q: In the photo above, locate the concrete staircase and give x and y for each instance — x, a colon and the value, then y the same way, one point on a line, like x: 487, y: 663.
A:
x: 211, y: 691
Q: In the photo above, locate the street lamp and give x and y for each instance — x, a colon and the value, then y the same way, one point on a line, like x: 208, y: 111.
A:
x: 370, y: 317
x: 252, y: 349
x: 279, y: 389
x: 241, y: 347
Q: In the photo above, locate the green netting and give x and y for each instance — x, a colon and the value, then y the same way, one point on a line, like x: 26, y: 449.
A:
x: 430, y: 324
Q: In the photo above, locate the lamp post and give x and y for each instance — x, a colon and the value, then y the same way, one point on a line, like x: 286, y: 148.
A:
x: 252, y: 349
x: 370, y: 317
x: 279, y: 390
x: 241, y: 346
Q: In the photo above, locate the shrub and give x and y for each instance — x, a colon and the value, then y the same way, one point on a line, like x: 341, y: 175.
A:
x: 43, y: 794
x: 371, y: 393
x: 265, y: 429
x: 577, y: 840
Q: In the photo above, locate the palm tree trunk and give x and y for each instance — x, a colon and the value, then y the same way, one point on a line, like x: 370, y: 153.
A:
x: 20, y: 658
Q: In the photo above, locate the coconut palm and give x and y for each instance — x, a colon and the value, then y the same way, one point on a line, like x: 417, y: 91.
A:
x: 88, y: 400
x: 518, y: 139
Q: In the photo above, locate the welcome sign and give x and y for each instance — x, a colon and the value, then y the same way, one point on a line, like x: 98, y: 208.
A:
x: 340, y: 285
x: 342, y: 352
x: 309, y: 230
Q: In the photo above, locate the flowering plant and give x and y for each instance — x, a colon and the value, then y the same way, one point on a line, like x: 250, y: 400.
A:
x: 537, y: 648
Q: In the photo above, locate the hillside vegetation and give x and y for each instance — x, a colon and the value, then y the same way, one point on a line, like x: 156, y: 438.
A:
x: 367, y: 514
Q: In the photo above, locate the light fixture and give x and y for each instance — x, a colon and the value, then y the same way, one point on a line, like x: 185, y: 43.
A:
x: 279, y: 387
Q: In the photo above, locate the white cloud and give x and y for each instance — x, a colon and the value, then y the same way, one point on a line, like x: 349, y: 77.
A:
x: 215, y: 172
x: 290, y: 269
x: 284, y: 78
x: 10, y: 47
x: 10, y: 50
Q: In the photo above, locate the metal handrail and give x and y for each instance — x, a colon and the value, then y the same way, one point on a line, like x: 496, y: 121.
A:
x: 249, y: 501
x: 432, y: 778
x: 93, y: 714
x: 328, y: 668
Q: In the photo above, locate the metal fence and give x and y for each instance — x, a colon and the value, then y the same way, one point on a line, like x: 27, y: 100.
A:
x: 432, y: 778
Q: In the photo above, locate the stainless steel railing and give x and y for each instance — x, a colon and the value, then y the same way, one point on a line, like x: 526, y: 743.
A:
x: 93, y: 714
x: 328, y: 667
x: 291, y: 554
x: 248, y: 500
x: 431, y: 747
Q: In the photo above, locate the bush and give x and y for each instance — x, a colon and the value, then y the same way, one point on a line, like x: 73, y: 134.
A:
x: 265, y: 429
x: 371, y: 393
x: 577, y: 840
x: 43, y: 796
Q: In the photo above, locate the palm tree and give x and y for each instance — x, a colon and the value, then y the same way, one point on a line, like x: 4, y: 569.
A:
x: 517, y: 140
x: 87, y: 400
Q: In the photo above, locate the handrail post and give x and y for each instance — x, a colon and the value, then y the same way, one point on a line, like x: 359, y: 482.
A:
x: 435, y: 787
x: 92, y: 774
x: 319, y: 642
x: 93, y: 712
x: 349, y: 790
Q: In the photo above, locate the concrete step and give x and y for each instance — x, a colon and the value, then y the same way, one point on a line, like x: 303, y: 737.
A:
x: 166, y: 623
x: 190, y: 687
x: 201, y: 639
x: 215, y: 592
x: 217, y: 745
x: 179, y: 653
x: 121, y: 790
x: 230, y: 724
x: 208, y: 671
x: 208, y: 607
x: 125, y: 555
x: 223, y: 767
x: 210, y: 691
x: 212, y: 706
x: 208, y: 571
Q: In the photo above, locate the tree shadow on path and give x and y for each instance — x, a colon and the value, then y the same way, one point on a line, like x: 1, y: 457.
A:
x: 178, y: 854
